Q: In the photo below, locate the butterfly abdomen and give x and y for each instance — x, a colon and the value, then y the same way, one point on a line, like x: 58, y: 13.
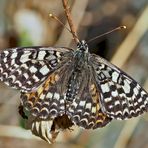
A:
x: 72, y: 86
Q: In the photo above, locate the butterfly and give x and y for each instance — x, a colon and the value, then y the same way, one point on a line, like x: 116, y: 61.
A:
x: 62, y: 87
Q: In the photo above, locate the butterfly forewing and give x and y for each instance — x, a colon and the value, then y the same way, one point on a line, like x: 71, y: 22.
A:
x: 121, y: 96
x: 26, y: 68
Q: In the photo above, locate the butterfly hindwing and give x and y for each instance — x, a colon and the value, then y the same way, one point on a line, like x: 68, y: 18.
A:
x: 122, y: 97
x: 26, y: 68
x: 85, y: 110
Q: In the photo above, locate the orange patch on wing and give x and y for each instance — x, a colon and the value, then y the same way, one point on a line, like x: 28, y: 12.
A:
x: 95, y: 95
x: 52, y: 79
x: 32, y: 97
x: 101, y: 118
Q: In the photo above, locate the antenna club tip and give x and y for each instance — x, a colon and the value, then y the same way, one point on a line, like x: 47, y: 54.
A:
x: 50, y: 14
x: 123, y: 27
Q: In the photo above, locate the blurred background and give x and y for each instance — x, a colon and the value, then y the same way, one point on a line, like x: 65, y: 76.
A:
x: 27, y: 23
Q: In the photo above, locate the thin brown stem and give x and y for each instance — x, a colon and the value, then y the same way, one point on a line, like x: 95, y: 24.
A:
x: 70, y: 22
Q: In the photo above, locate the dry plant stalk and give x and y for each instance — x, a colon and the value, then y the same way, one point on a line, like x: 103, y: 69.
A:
x: 70, y: 22
x: 77, y: 16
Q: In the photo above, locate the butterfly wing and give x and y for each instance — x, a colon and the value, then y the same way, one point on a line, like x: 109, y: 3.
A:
x: 47, y: 106
x: 27, y: 68
x: 85, y: 110
x: 48, y: 101
x: 121, y: 96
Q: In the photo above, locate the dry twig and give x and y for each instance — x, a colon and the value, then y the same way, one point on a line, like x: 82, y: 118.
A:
x: 70, y: 21
x: 65, y: 37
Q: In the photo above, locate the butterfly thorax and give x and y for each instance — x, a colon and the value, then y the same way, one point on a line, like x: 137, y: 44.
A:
x: 81, y: 56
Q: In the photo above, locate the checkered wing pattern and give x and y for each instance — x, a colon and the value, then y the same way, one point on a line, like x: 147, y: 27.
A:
x: 61, y: 87
x: 85, y: 109
x: 65, y: 92
x: 48, y: 101
x: 121, y: 97
x: 47, y: 105
x: 27, y: 68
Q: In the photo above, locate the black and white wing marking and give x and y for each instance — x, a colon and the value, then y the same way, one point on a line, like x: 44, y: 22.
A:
x: 48, y: 100
x: 121, y: 96
x: 26, y: 68
x: 85, y: 110
x: 47, y: 105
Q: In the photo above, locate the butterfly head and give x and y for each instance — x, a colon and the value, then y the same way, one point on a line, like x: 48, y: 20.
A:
x: 82, y: 45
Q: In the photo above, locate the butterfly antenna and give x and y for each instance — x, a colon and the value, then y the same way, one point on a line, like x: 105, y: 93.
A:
x: 118, y: 28
x: 56, y: 18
